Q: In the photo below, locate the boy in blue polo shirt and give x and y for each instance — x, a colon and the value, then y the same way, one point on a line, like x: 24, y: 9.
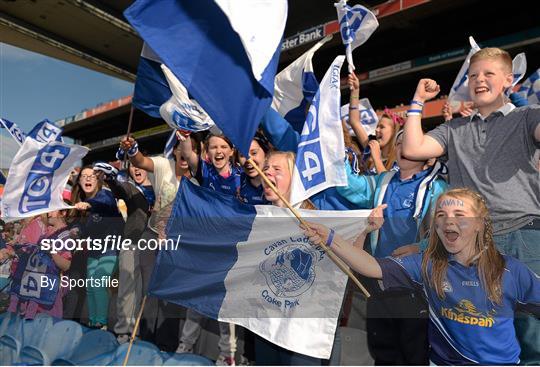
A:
x: 473, y: 291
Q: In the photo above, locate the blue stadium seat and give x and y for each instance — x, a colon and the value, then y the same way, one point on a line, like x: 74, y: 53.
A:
x: 95, y: 347
x: 19, y: 332
x: 11, y: 324
x: 188, y: 359
x: 59, y: 342
x: 35, y: 331
x: 142, y: 353
x: 9, y: 350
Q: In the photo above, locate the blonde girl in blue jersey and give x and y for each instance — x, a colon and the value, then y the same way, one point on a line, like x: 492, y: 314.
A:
x: 472, y: 290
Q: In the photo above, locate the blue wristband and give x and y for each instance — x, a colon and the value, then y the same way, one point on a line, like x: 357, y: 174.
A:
x: 133, y: 150
x: 414, y: 111
x: 417, y: 103
x: 353, y: 107
x: 330, y: 238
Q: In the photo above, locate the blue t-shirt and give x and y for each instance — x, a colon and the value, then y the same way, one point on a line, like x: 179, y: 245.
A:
x: 103, y: 219
x: 466, y: 327
x: 399, y: 226
x: 209, y: 177
x: 250, y: 194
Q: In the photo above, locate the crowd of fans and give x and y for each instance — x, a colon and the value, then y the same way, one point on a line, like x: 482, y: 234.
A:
x: 454, y: 232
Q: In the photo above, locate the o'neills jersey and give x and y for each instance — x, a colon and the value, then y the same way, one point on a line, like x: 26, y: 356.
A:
x: 208, y: 177
x: 250, y: 194
x: 466, y: 327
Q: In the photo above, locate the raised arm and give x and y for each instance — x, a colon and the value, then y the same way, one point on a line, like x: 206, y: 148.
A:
x: 354, y: 110
x: 136, y: 158
x: 186, y: 150
x: 354, y: 256
x: 416, y: 145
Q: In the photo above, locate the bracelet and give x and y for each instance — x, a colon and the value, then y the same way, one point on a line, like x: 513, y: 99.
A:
x: 330, y: 238
x: 133, y: 150
x: 414, y: 111
x: 353, y: 107
x: 417, y: 103
x: 354, y: 97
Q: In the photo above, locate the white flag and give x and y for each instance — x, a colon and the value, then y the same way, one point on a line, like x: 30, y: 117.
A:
x: 321, y: 150
x: 37, y: 177
x: 519, y: 68
x: 356, y: 25
x: 368, y: 117
x: 295, y: 86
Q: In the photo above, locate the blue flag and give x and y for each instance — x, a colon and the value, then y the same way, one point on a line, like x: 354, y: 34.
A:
x: 253, y: 266
x: 224, y: 56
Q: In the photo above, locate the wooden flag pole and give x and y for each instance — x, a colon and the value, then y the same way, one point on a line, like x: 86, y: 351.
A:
x: 134, y: 332
x: 328, y: 251
x: 128, y: 133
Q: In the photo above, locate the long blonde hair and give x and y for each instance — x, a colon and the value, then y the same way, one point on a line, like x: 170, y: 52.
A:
x: 489, y: 261
x: 291, y: 161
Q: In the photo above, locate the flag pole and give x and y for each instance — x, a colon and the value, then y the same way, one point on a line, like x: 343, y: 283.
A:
x: 328, y: 251
x: 134, y: 332
x: 128, y: 133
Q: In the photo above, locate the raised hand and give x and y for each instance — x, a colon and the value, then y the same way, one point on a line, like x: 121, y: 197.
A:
x: 353, y: 82
x: 447, y: 112
x: 426, y: 90
x: 109, y: 171
x: 375, y: 219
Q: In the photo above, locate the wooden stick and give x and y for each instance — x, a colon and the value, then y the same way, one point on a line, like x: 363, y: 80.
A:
x: 328, y: 251
x: 134, y: 332
x: 128, y: 133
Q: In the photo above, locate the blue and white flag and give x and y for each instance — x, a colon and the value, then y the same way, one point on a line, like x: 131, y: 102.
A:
x: 169, y: 145
x: 16, y: 133
x: 530, y: 89
x: 159, y: 94
x: 295, y: 87
x: 321, y: 149
x: 180, y: 111
x: 46, y: 131
x: 356, y: 25
x: 368, y: 116
x: 519, y: 68
x: 460, y: 88
x: 151, y: 87
x: 253, y: 266
x: 233, y: 84
x: 37, y: 177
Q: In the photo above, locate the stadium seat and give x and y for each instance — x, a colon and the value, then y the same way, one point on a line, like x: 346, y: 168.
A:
x: 9, y: 350
x: 142, y: 353
x: 19, y: 332
x: 34, y: 331
x: 188, y: 359
x: 95, y: 347
x: 10, y: 324
x: 59, y: 342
